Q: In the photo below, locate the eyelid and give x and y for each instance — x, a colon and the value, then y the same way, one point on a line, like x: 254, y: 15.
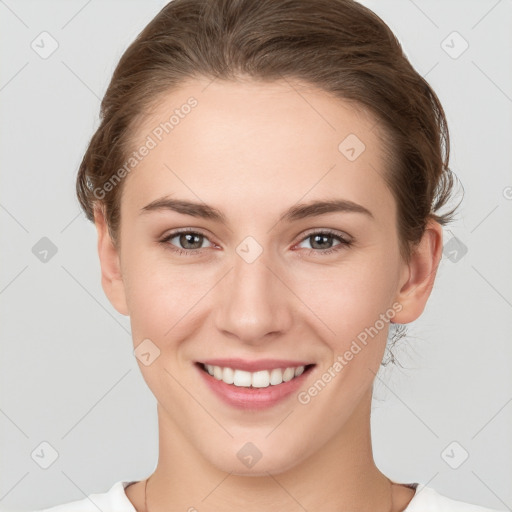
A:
x: 178, y: 231
x: 327, y: 231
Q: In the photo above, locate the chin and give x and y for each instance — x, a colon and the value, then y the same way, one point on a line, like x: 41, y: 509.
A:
x: 248, y: 460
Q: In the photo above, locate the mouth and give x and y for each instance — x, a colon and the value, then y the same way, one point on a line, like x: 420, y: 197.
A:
x: 253, y: 390
x: 258, y: 379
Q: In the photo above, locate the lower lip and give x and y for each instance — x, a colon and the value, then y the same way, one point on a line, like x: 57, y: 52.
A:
x: 249, y: 397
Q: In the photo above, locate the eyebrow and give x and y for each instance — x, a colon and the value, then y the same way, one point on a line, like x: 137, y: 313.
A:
x: 294, y: 213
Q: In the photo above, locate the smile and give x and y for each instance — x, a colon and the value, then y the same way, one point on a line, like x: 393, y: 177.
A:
x: 257, y: 389
x: 259, y: 379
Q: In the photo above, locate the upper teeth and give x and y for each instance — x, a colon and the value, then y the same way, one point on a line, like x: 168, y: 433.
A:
x: 260, y: 379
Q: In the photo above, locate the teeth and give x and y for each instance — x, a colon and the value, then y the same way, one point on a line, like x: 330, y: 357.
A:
x: 242, y: 378
x: 276, y: 376
x: 217, y: 372
x: 228, y: 375
x: 288, y: 374
x: 260, y: 379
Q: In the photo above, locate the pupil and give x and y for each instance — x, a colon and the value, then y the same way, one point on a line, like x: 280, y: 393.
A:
x: 324, y: 237
x: 187, y: 238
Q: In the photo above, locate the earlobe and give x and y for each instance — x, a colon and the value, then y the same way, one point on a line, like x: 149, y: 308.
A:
x: 420, y: 274
x: 111, y: 276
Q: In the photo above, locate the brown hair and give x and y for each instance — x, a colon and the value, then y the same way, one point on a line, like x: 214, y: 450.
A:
x: 338, y: 46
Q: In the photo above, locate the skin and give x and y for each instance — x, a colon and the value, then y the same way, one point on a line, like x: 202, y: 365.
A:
x: 252, y: 150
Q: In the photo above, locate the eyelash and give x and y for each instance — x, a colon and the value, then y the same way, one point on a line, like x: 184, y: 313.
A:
x: 344, y: 243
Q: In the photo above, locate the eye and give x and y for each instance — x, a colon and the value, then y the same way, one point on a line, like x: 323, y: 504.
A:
x: 321, y: 242
x: 189, y: 240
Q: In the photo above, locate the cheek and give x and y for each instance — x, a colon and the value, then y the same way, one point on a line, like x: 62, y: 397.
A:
x: 160, y: 299
x: 353, y: 303
x: 169, y: 298
x: 157, y: 292
x: 350, y: 297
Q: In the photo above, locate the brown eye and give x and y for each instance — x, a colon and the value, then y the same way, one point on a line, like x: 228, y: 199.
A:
x: 322, y: 242
x: 190, y: 240
x: 187, y: 242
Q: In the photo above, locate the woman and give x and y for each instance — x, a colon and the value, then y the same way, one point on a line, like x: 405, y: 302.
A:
x: 266, y: 184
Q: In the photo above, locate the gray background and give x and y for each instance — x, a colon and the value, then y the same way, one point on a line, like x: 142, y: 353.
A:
x: 68, y: 374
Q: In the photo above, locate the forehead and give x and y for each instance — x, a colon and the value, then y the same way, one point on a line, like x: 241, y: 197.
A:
x: 256, y: 143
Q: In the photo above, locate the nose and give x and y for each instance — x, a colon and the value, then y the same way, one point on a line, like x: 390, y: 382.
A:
x: 253, y: 302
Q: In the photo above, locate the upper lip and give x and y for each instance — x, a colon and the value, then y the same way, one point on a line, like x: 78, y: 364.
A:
x: 254, y: 366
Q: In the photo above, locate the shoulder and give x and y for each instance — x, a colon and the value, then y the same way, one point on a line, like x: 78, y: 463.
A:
x: 114, y: 500
x: 427, y: 499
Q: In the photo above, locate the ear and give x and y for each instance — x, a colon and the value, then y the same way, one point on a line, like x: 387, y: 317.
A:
x: 111, y: 277
x: 419, y: 274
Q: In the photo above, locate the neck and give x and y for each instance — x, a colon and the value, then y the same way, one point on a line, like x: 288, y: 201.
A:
x: 341, y: 476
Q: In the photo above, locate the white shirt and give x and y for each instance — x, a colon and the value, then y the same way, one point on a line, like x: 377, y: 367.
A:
x: 425, y: 499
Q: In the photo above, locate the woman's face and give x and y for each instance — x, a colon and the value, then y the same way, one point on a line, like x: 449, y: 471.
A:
x: 252, y: 281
